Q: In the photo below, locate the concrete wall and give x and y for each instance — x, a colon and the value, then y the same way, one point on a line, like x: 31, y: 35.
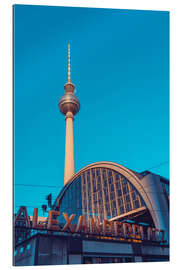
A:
x: 157, y: 204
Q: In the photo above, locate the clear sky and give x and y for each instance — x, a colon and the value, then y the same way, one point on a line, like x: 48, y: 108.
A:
x: 120, y: 66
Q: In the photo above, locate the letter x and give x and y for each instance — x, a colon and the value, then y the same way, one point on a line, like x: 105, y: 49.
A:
x: 68, y: 222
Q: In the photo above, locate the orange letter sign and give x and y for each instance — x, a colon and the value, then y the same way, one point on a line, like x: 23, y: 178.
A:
x: 52, y: 222
x: 35, y: 220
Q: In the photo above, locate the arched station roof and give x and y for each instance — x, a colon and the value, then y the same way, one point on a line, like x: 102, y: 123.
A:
x: 133, y: 177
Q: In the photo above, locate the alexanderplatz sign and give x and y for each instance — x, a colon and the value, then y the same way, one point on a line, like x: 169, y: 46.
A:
x: 116, y: 229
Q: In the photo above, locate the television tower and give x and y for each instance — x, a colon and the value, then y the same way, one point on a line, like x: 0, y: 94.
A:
x: 69, y: 105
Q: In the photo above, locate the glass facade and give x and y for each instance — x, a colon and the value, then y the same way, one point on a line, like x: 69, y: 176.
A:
x: 72, y: 201
x: 100, y: 192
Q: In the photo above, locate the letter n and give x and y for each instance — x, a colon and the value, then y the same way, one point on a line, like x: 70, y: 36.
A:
x: 82, y: 226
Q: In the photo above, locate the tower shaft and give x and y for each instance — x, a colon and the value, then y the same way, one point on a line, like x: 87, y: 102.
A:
x: 69, y: 148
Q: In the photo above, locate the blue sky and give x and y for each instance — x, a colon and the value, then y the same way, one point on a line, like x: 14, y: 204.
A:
x: 120, y: 66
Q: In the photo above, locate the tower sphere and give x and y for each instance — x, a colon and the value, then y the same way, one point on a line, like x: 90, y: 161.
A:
x: 69, y: 103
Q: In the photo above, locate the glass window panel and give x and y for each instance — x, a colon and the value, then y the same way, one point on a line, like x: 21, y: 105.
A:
x: 100, y: 202
x: 128, y: 207
x: 110, y: 180
x: 127, y: 198
x: 105, y: 183
x: 112, y: 195
x: 97, y: 172
x: 104, y: 174
x: 112, y: 187
x: 125, y: 189
x: 84, y: 180
x: 108, y: 214
x: 121, y: 210
x: 118, y: 185
x: 142, y: 203
x: 124, y: 181
x: 114, y: 204
x: 133, y: 196
x: 114, y: 212
x: 120, y: 201
x: 93, y: 173
x: 119, y: 192
x: 78, y: 203
x: 136, y: 204
x: 109, y: 173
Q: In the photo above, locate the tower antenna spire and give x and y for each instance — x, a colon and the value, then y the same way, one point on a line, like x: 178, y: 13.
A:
x: 69, y: 64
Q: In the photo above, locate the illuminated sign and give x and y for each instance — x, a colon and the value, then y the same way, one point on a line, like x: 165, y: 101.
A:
x: 117, y: 229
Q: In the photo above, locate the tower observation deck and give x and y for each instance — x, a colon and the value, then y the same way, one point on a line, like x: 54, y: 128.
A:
x: 69, y: 105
